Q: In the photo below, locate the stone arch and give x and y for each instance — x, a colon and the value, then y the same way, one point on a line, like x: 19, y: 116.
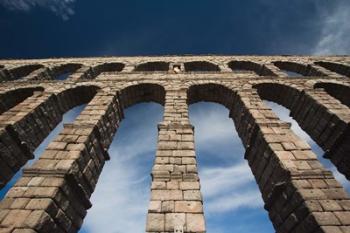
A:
x: 338, y: 91
x: 108, y: 67
x: 278, y: 169
x: 62, y: 69
x: 23, y: 71
x: 211, y: 92
x: 13, y: 97
x: 142, y: 92
x: 302, y: 69
x: 339, y: 68
x: 153, y: 66
x: 282, y: 94
x: 323, y: 119
x: 258, y: 69
x: 200, y: 66
x: 75, y: 96
x: 27, y: 124
x: 82, y: 146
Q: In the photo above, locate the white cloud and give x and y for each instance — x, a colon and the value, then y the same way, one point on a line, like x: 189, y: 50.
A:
x: 335, y: 31
x: 229, y: 185
x: 228, y: 188
x: 62, y: 8
x: 121, y: 198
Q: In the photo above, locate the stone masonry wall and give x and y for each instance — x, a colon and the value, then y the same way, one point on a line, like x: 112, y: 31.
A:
x: 53, y: 194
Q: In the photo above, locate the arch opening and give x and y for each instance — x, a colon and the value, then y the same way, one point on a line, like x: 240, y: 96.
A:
x: 284, y: 100
x: 124, y: 180
x: 26, y: 133
x: 108, y: 68
x: 339, y: 68
x: 62, y: 72
x: 201, y: 66
x: 250, y: 67
x: 338, y: 91
x: 132, y: 153
x: 12, y: 98
x: 153, y: 67
x: 146, y: 92
x: 232, y: 164
x: 75, y: 96
x: 23, y: 71
x: 67, y: 117
x: 293, y: 69
x: 231, y: 195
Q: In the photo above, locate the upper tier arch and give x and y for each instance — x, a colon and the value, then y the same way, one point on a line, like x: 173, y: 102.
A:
x: 153, y: 66
x: 259, y: 69
x: 200, y: 66
x: 339, y: 68
x: 302, y: 69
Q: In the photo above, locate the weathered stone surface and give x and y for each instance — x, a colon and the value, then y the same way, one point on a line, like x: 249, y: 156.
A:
x: 53, y: 196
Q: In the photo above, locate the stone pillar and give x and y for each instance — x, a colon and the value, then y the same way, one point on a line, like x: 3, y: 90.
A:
x: 176, y: 202
x: 53, y: 194
x: 84, y: 72
x: 299, y: 194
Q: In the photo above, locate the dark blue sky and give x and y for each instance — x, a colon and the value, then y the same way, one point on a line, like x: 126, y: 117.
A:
x: 158, y: 27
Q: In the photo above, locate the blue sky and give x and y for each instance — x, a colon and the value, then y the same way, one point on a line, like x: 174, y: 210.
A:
x: 56, y: 28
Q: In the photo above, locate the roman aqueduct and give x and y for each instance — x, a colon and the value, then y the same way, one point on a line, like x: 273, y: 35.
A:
x: 53, y: 194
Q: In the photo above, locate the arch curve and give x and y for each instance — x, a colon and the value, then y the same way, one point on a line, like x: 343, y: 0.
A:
x: 295, y: 67
x: 210, y: 92
x: 23, y: 71
x: 62, y: 69
x: 339, y: 68
x: 11, y: 98
x: 153, y: 66
x: 198, y: 66
x: 142, y: 92
x: 75, y: 96
x: 336, y: 90
x: 258, y: 69
x: 108, y: 67
x: 282, y: 94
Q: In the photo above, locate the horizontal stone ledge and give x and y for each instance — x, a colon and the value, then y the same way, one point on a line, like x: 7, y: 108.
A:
x: 31, y: 172
x: 71, y: 180
x: 78, y: 125
x: 170, y: 126
x: 315, y: 174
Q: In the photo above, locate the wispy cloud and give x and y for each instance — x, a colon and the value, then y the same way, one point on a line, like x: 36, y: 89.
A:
x: 335, y: 30
x: 227, y: 189
x: 121, y: 197
x: 62, y: 8
x: 227, y: 183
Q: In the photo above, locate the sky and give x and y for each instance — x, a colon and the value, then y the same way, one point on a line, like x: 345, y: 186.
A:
x: 63, y: 28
